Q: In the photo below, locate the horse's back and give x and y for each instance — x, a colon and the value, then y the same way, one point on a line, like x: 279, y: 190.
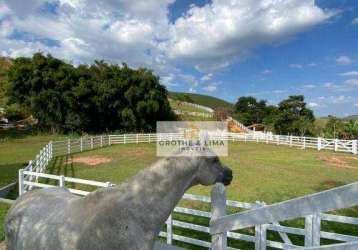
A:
x: 29, y: 220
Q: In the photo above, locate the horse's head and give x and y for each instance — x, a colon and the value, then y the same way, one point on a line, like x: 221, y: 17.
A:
x: 211, y: 171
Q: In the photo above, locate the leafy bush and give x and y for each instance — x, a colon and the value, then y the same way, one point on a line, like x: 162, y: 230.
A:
x: 93, y: 98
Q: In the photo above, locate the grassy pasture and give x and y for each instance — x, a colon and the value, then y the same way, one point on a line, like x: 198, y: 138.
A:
x: 185, y: 107
x: 262, y: 172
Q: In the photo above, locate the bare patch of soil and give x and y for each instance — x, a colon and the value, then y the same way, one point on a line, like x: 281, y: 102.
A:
x: 2, y: 245
x: 136, y: 152
x: 89, y: 160
x: 339, y: 161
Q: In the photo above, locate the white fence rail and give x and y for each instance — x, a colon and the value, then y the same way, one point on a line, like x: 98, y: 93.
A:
x: 192, y: 113
x: 257, y: 214
x: 264, y: 218
x: 210, y: 110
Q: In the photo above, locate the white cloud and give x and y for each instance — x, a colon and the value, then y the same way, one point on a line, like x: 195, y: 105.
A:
x: 309, y: 86
x: 296, y: 66
x: 210, y: 88
x: 344, y: 60
x: 355, y: 20
x: 192, y: 90
x: 141, y: 34
x: 313, y: 105
x: 266, y: 72
x: 312, y: 64
x: 214, y: 35
x: 206, y: 77
x: 279, y: 91
x: 350, y: 74
x: 356, y: 104
x: 351, y: 82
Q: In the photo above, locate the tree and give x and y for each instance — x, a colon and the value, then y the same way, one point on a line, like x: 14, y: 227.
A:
x: 293, y: 116
x: 250, y: 111
x: 89, y: 98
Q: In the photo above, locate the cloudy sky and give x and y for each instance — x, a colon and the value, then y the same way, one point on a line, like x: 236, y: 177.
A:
x: 227, y: 48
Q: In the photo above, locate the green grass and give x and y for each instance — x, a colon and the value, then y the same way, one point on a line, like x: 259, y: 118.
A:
x: 262, y: 172
x: 205, y: 100
x: 184, y: 107
x: 16, y: 149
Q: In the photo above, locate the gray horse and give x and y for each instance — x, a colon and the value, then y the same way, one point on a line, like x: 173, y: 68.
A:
x: 128, y: 216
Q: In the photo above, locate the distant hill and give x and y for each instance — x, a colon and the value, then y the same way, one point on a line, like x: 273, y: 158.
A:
x: 351, y: 117
x: 205, y: 100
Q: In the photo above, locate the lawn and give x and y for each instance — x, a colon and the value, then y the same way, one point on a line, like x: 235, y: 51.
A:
x: 185, y: 107
x: 262, y: 172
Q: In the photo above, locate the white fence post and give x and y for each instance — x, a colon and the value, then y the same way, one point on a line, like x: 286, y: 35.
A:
x: 62, y: 181
x: 278, y: 139
x: 354, y: 147
x: 21, y: 182
x: 304, y: 142
x: 69, y: 146
x: 81, y: 144
x: 109, y: 140
x: 124, y: 139
x: 218, y: 209
x: 169, y: 224
x: 91, y: 142
x: 336, y: 145
x: 319, y: 143
x: 101, y: 141
x: 137, y: 138
x: 290, y: 140
x: 312, y: 230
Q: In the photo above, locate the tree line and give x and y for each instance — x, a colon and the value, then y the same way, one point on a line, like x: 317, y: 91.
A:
x: 291, y: 116
x: 94, y: 98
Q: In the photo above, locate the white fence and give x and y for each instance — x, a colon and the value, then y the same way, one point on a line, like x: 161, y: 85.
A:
x: 263, y: 218
x: 69, y: 146
x: 34, y: 176
x: 312, y: 207
x: 191, y: 113
x: 210, y: 110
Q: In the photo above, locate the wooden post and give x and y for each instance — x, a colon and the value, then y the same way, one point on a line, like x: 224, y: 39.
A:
x: 124, y: 139
x: 290, y: 140
x: 169, y: 224
x: 109, y: 140
x: 218, y: 209
x: 81, y: 144
x: 137, y: 138
x: 101, y: 141
x: 91, y: 142
x: 304, y: 142
x: 21, y: 182
x: 62, y: 181
x: 69, y: 146
x: 354, y: 147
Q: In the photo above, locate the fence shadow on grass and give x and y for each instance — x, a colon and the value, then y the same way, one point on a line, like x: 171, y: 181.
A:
x: 61, y: 165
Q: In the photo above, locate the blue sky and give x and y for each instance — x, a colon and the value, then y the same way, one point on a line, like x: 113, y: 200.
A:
x: 225, y: 48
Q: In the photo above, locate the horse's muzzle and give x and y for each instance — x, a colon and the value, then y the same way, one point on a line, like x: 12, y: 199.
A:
x: 226, y: 177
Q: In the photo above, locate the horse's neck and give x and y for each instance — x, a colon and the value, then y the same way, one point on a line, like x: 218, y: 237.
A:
x: 154, y: 192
